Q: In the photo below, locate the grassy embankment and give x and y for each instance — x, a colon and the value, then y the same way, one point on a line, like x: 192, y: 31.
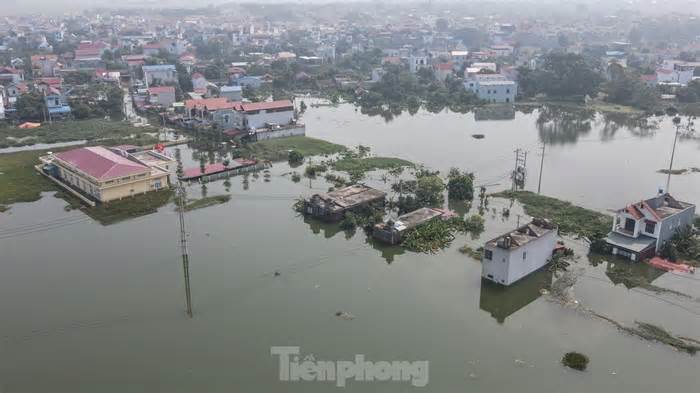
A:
x: 20, y: 182
x: 93, y: 130
x: 201, y: 203
x: 367, y: 164
x: 571, y: 219
x: 278, y: 149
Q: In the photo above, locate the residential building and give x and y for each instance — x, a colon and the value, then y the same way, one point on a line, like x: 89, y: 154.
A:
x: 199, y: 83
x: 161, y: 95
x: 493, y: 88
x: 2, y: 103
x: 44, y: 65
x: 253, y: 82
x: 57, y: 106
x: 231, y: 93
x: 415, y: 63
x: 514, y: 255
x: 641, y: 229
x: 459, y: 57
x: 262, y: 114
x: 10, y: 75
x: 104, y: 174
x: 219, y: 111
x: 333, y: 205
x: 159, y: 74
x: 443, y: 70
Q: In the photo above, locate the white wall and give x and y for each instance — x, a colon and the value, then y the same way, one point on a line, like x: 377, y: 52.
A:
x: 281, y: 133
x: 509, y: 266
x: 258, y: 120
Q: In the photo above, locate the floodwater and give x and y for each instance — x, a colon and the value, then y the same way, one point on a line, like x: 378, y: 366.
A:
x: 597, y: 161
x: 92, y: 308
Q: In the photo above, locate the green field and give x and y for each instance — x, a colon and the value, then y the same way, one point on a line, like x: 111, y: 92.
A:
x: 570, y: 219
x: 19, y: 180
x: 278, y: 149
x: 107, y: 132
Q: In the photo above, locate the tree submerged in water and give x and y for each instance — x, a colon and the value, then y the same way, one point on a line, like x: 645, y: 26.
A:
x: 575, y: 360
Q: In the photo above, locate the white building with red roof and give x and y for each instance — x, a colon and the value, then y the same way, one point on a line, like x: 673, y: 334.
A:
x: 106, y: 174
x: 641, y: 229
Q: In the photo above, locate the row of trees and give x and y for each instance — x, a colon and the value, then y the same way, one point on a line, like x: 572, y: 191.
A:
x: 567, y: 75
x: 561, y: 75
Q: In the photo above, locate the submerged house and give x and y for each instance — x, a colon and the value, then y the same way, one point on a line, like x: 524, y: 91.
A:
x: 392, y: 231
x: 333, y: 205
x: 641, y: 229
x: 514, y: 255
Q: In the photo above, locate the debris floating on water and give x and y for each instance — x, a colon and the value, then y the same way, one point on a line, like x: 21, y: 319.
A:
x: 478, y: 136
x: 344, y: 315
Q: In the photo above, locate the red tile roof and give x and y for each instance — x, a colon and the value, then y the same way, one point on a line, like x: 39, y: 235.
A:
x: 212, y: 104
x: 634, y: 212
x: 217, y: 167
x: 100, y: 162
x: 256, y: 106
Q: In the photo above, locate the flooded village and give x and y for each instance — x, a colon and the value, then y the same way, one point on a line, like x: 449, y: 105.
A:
x: 509, y: 240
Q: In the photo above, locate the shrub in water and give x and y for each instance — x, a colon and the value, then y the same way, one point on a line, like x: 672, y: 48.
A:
x: 575, y: 360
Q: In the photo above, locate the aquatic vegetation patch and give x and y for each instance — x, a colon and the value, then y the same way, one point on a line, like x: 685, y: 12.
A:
x: 278, y: 149
x: 436, y: 235
x: 575, y: 360
x: 476, y: 254
x: 569, y: 218
x: 367, y: 164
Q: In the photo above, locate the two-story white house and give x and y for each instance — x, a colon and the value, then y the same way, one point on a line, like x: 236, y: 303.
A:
x: 159, y: 74
x: 492, y: 88
x: 641, y: 229
x: 514, y: 255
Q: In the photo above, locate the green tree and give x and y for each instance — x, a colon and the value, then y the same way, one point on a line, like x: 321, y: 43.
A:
x: 31, y: 107
x: 561, y: 75
x: 460, y: 185
x: 295, y: 158
x: 429, y: 191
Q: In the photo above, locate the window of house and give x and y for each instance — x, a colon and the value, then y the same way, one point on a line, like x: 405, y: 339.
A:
x: 507, y: 90
x: 524, y: 254
x: 650, y: 227
x: 488, y: 254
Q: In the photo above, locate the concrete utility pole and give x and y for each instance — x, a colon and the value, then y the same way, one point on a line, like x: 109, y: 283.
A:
x: 183, y: 247
x: 677, y: 122
x: 539, y: 183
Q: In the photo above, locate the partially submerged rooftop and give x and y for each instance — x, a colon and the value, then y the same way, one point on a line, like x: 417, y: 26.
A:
x: 351, y: 196
x: 417, y: 217
x: 537, y: 228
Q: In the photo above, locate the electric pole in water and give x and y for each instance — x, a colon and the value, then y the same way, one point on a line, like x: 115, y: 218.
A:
x: 519, y: 172
x: 677, y: 122
x: 183, y: 246
x: 539, y: 183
